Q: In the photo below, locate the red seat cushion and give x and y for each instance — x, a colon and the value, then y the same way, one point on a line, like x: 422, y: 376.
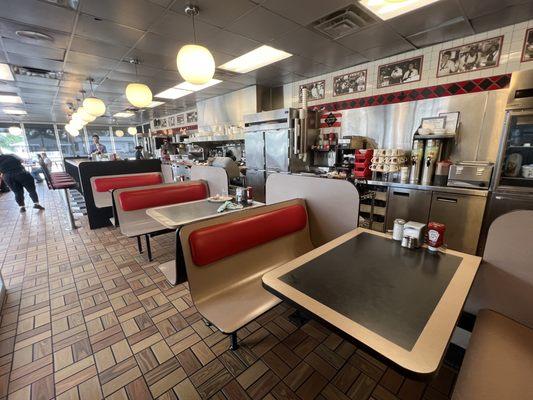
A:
x: 104, y: 184
x: 216, y: 242
x: 162, y: 196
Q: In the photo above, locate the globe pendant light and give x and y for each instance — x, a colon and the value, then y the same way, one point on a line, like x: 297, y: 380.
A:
x: 138, y: 94
x: 132, y: 130
x: 76, y: 124
x: 119, y: 133
x: 94, y: 105
x: 71, y: 130
x: 85, y: 116
x: 195, y: 63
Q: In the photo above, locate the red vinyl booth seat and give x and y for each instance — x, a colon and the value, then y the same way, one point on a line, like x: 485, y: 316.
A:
x: 216, y: 242
x: 121, y: 182
x: 162, y: 196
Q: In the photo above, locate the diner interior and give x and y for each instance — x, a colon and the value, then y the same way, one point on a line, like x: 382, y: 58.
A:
x: 266, y: 199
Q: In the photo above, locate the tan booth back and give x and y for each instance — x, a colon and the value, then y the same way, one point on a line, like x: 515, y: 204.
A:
x: 504, y: 282
x: 216, y: 178
x: 332, y: 204
x: 208, y: 280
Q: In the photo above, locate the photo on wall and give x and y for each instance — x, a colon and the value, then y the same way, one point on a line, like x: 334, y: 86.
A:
x: 192, y: 117
x: 527, y: 52
x: 470, y: 57
x: 400, y: 72
x: 315, y: 90
x: 172, y: 121
x: 349, y: 83
x: 180, y: 119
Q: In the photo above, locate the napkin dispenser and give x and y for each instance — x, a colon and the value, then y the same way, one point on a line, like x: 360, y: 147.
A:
x: 414, y: 230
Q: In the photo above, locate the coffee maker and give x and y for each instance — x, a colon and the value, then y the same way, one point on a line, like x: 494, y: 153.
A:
x: 417, y: 153
x: 431, y: 157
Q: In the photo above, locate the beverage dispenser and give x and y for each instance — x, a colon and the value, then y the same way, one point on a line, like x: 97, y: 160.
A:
x: 431, y: 157
x: 417, y: 153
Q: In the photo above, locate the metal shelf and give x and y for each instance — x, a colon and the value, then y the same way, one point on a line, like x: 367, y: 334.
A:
x: 433, y: 137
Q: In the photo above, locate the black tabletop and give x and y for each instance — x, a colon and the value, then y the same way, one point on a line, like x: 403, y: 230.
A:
x: 377, y: 283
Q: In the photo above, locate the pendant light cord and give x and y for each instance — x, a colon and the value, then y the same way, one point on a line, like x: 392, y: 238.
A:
x: 194, y: 29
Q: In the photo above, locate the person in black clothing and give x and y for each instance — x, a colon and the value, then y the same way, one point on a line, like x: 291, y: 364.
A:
x: 18, y: 179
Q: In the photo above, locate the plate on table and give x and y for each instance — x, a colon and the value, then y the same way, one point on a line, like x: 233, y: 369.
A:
x: 219, y: 199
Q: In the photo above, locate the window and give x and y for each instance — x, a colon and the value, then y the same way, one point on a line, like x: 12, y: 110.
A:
x: 71, y: 146
x: 103, y: 133
x: 125, y: 145
x: 12, y: 143
x: 41, y: 138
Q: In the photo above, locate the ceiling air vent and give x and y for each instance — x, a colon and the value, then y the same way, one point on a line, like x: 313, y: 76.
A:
x: 37, y: 72
x: 343, y: 22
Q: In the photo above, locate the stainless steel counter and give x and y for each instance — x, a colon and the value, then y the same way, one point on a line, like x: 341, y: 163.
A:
x: 447, y: 189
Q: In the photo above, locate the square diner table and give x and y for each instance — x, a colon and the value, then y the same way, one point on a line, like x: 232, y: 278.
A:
x: 401, y: 304
x: 174, y: 217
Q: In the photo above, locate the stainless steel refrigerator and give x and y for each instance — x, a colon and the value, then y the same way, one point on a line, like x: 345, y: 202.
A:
x: 512, y: 185
x: 277, y: 141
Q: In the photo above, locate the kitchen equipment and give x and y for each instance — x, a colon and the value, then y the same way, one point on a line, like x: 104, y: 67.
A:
x: 277, y: 141
x: 408, y: 204
x: 417, y: 153
x: 414, y: 230
x: 404, y: 174
x: 470, y: 174
x: 431, y: 156
x: 397, y: 232
x: 441, y: 173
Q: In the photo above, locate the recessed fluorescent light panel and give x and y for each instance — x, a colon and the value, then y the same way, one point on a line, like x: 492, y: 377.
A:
x: 14, y: 111
x: 194, y: 88
x: 124, y: 114
x: 5, y: 73
x: 255, y: 59
x: 387, y: 9
x: 10, y: 98
x: 155, y: 104
x: 173, y: 94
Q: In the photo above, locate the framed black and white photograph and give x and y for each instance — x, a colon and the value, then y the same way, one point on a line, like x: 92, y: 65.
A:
x: 180, y: 119
x: 353, y: 82
x: 400, y: 72
x: 527, y: 52
x: 315, y: 90
x: 470, y: 57
x: 172, y: 121
x: 164, y: 123
x: 192, y: 117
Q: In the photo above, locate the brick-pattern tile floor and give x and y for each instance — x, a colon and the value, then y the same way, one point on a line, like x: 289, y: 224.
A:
x: 86, y: 317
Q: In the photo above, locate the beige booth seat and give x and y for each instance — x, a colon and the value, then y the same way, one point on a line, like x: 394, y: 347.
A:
x: 132, y: 203
x: 499, y: 360
x: 102, y: 186
x: 333, y: 204
x: 225, y: 258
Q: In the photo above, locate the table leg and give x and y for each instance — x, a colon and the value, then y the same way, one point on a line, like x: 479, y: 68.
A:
x: 148, y: 248
x: 139, y: 245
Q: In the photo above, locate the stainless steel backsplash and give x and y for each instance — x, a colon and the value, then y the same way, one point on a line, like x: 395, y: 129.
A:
x: 393, y: 125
